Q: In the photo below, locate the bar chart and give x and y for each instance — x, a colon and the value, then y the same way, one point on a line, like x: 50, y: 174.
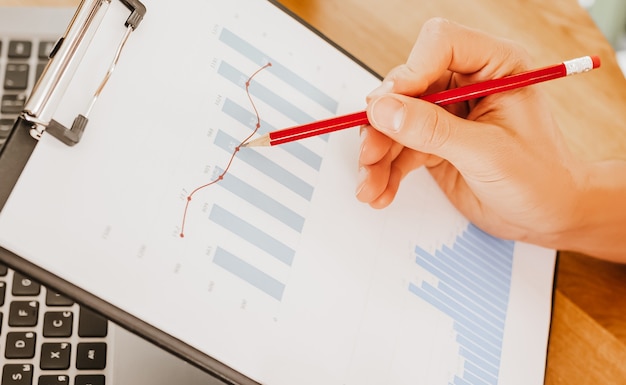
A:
x: 266, y: 201
x: 470, y: 282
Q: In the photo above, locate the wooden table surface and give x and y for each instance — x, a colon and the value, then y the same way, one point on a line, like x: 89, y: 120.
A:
x: 588, y: 336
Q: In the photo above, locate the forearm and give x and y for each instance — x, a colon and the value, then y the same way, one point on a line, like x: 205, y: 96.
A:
x: 600, y: 230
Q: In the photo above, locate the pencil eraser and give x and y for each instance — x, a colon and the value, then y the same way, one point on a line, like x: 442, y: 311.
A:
x: 596, y: 61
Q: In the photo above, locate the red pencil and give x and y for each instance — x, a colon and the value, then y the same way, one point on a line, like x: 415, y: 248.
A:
x: 455, y: 95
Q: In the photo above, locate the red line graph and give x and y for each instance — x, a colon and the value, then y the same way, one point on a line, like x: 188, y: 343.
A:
x: 232, y: 157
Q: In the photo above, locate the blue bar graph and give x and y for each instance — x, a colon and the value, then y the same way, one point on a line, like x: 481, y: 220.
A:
x: 247, y: 118
x: 265, y: 166
x: 260, y: 58
x: 262, y: 201
x: 267, y: 206
x: 473, y: 284
x: 265, y: 94
x: 249, y: 273
x: 252, y: 234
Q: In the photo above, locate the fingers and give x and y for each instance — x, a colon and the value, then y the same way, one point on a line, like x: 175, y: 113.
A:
x: 444, y: 52
x: 374, y: 145
x: 445, y: 55
x: 427, y: 128
x: 379, y: 182
x: 443, y: 48
x: 375, y: 166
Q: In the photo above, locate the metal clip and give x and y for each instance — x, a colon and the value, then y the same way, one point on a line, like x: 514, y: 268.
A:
x: 64, y: 60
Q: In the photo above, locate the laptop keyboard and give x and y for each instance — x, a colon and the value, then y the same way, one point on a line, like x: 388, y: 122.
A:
x: 45, y: 338
x: 21, y: 64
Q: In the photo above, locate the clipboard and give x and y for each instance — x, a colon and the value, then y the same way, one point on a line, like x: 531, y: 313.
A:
x: 297, y: 282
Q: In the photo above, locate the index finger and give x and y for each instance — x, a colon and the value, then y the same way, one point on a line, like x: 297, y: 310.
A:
x: 444, y: 47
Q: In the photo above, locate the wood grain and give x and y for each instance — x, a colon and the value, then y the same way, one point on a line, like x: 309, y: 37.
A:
x: 588, y: 335
x: 581, y: 352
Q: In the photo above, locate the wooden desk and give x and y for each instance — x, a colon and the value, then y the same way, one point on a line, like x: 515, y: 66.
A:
x: 588, y: 337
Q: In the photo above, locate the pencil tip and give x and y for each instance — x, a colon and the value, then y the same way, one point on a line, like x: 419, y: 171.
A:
x: 263, y: 140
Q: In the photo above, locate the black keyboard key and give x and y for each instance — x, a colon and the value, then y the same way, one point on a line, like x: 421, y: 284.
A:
x: 91, y: 356
x: 56, y: 299
x: 91, y: 379
x: 57, y: 324
x: 55, y: 356
x: 45, y: 47
x: 39, y: 70
x: 91, y: 324
x: 17, y: 374
x: 16, y: 76
x: 20, y: 345
x: 54, y: 380
x: 12, y: 104
x: 23, y: 313
x: 3, y: 268
x: 19, y: 49
x: 24, y: 286
x: 3, y: 292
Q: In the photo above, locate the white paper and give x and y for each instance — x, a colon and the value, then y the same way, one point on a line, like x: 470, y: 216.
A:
x: 281, y: 274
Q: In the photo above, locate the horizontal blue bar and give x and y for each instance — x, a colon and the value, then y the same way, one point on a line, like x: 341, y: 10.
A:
x: 249, y: 120
x: 448, y: 310
x: 458, y: 287
x: 474, y: 380
x: 499, y: 260
x: 482, y: 260
x: 480, y: 361
x: 459, y: 271
x: 492, y: 278
x: 263, y: 93
x: 437, y: 266
x: 262, y: 201
x: 245, y: 116
x: 480, y: 373
x: 249, y: 273
x: 454, y: 284
x: 464, y: 264
x: 505, y: 246
x: 284, y: 73
x: 466, y: 310
x: 265, y: 165
x: 495, y: 252
x: 468, y: 295
x: 490, y: 354
x: 252, y: 234
x: 479, y: 336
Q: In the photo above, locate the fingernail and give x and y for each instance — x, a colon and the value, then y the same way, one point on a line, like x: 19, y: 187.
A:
x: 388, y: 114
x: 362, y: 176
x: 363, y: 132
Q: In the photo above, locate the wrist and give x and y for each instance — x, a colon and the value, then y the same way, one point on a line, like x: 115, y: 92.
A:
x: 597, y: 222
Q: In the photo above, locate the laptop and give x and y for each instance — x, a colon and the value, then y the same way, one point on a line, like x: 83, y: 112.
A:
x: 46, y: 338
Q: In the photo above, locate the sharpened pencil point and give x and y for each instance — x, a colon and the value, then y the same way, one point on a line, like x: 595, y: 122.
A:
x: 261, y: 141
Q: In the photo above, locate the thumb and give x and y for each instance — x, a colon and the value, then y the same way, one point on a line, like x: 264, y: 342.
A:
x: 425, y: 127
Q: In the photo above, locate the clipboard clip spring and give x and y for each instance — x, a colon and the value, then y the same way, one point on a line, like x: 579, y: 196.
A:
x: 64, y: 59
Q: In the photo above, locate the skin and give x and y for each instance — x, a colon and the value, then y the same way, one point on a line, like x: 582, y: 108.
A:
x: 499, y: 158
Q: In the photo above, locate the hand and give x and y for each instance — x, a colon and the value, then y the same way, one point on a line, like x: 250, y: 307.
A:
x: 501, y: 160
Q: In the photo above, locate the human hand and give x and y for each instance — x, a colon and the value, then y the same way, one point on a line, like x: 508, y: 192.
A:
x: 501, y: 160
